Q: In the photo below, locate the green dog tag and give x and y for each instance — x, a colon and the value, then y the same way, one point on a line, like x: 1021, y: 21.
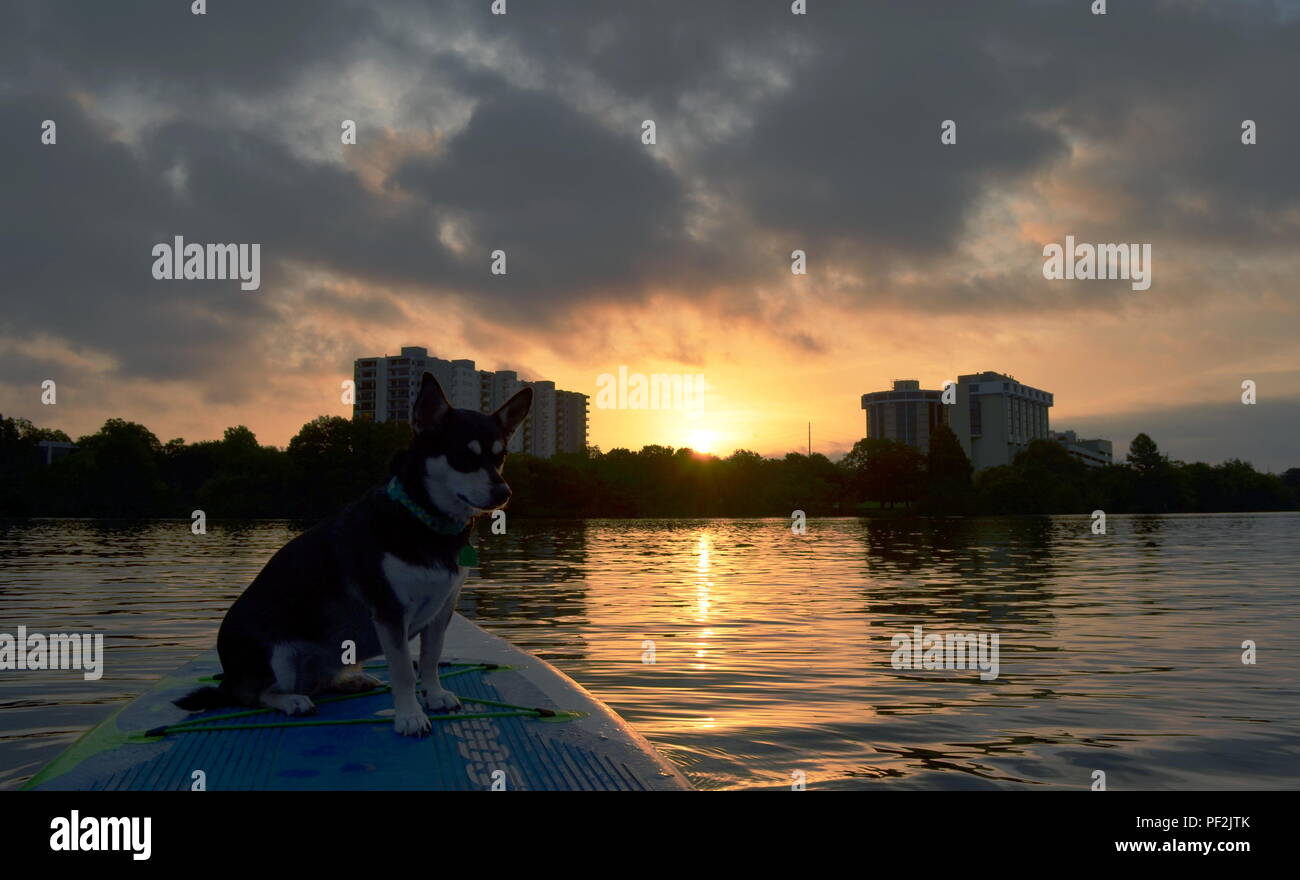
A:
x: 468, y: 557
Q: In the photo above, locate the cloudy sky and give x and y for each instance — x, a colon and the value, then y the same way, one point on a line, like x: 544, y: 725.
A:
x: 774, y: 132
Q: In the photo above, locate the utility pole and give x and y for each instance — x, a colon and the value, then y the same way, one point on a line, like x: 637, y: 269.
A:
x: 810, y: 439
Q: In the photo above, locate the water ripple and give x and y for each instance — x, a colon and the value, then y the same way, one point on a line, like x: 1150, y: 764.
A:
x: 772, y: 651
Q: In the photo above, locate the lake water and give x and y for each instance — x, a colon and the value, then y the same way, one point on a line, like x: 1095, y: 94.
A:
x: 772, y: 651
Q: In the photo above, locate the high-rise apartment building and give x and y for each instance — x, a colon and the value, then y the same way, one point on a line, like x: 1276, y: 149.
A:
x: 908, y: 413
x: 542, y: 439
x: 570, y: 420
x: 995, y: 417
x: 386, y: 388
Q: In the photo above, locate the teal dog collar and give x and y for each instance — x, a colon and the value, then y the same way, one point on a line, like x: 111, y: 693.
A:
x: 437, y: 522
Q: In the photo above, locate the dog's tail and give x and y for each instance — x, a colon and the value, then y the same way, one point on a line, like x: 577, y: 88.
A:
x: 206, y: 698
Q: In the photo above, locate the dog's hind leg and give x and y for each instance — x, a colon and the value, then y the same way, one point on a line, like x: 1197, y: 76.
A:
x: 352, y: 680
x: 289, y: 704
x: 284, y: 694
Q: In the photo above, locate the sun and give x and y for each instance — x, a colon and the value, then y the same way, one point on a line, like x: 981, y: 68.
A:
x: 702, y: 440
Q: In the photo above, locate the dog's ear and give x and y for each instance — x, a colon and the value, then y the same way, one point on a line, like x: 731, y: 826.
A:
x: 513, y: 411
x: 431, y: 405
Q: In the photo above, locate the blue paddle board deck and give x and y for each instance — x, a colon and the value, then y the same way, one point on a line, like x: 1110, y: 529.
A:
x: 523, y: 725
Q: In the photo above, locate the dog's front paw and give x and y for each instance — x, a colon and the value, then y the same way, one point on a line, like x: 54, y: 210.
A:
x: 299, y: 705
x: 439, y: 700
x: 412, y: 724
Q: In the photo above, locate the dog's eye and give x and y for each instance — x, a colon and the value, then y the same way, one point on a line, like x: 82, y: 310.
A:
x: 463, y: 460
x: 474, y: 447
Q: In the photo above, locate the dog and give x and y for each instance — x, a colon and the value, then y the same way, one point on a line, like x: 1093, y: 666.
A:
x: 387, y: 567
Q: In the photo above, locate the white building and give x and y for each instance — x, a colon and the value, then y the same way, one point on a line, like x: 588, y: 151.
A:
x: 1093, y: 453
x: 908, y: 413
x: 51, y: 451
x: 571, y: 421
x: 386, y: 388
x: 499, y: 387
x: 995, y: 417
x: 541, y: 438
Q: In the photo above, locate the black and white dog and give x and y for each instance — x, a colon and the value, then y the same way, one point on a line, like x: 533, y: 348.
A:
x: 387, y: 567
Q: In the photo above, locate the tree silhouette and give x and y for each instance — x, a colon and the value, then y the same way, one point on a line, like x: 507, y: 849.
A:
x: 1144, y: 456
x: 123, y: 470
x: 947, y: 473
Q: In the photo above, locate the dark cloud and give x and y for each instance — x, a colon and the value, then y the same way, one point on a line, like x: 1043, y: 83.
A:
x: 653, y: 52
x: 248, y: 186
x: 577, y: 208
x: 819, y: 132
x: 1164, y: 88
x: 849, y: 158
x: 80, y: 220
x: 242, y: 45
x: 1262, y: 434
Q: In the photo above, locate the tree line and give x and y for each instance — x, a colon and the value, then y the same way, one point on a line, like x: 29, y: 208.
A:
x: 123, y: 470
